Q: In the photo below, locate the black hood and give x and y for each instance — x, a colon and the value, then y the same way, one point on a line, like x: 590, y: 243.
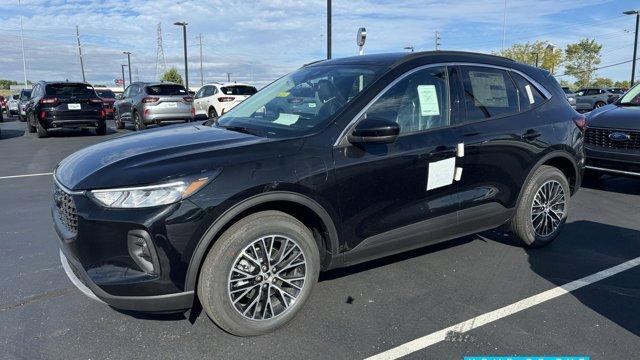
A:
x: 150, y: 157
x: 615, y: 116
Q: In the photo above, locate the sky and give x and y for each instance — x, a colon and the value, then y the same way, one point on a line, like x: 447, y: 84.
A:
x: 258, y: 41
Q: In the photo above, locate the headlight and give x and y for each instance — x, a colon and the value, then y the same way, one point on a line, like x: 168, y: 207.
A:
x: 147, y: 196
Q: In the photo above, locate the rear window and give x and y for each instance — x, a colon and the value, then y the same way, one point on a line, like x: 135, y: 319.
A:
x: 166, y: 90
x: 70, y: 90
x: 616, y: 91
x: 15, y: 97
x: 105, y: 93
x: 238, y: 90
x: 25, y: 94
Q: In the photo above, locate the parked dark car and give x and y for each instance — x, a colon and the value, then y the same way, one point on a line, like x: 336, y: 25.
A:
x: 64, y: 105
x: 23, y: 100
x: 153, y: 103
x: 612, y: 139
x: 108, y: 99
x: 244, y: 212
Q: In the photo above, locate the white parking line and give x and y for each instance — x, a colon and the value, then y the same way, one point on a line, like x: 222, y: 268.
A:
x: 438, y: 336
x: 25, y: 175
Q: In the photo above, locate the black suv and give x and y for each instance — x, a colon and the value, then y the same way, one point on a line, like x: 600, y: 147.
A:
x: 402, y: 151
x: 64, y: 105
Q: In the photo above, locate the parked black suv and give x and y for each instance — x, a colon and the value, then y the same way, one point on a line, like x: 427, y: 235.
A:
x: 64, y: 105
x: 612, y: 139
x: 404, y: 150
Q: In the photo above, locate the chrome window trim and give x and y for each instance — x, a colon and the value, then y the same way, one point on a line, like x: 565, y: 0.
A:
x: 342, y: 138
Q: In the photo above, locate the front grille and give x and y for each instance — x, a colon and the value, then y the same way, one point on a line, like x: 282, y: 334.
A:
x: 600, y: 137
x: 66, y: 209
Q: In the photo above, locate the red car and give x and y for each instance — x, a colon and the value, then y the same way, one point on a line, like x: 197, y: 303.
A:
x: 3, y: 103
x: 108, y: 98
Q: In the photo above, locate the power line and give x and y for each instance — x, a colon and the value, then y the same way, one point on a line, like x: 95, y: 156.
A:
x: 599, y: 68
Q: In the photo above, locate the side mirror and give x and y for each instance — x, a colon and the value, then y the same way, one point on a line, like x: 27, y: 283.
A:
x: 374, y: 130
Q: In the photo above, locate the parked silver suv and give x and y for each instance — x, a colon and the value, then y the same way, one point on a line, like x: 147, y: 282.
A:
x: 153, y: 103
x: 593, y: 98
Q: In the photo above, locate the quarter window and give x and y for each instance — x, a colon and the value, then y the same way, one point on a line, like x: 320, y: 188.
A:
x: 529, y: 95
x: 418, y: 102
x: 488, y: 93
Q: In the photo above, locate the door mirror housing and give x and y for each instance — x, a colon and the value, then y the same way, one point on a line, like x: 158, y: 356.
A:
x: 374, y: 130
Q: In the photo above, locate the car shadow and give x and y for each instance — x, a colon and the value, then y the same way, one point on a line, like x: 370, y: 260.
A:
x: 10, y: 133
x: 54, y: 133
x: 584, y: 248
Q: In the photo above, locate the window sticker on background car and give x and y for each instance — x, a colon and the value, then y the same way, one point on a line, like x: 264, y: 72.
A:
x: 441, y: 173
x: 312, y: 105
x: 489, y: 89
x: 428, y: 100
x: 286, y: 119
x: 529, y: 94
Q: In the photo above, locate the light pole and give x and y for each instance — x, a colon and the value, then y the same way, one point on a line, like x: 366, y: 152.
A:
x: 360, y: 39
x: 184, y: 40
x: 328, y: 29
x: 551, y: 47
x: 123, y: 82
x: 128, y: 53
x: 635, y: 43
x: 24, y: 60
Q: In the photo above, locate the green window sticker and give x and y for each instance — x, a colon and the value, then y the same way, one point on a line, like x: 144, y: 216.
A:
x: 428, y: 100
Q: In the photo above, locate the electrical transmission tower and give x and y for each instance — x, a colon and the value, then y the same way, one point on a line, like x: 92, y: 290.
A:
x: 161, y: 63
x: 438, y: 44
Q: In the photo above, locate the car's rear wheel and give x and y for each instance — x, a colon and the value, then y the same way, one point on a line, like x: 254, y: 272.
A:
x: 42, y: 132
x: 137, y: 122
x: 118, y: 121
x: 543, y: 206
x: 212, y: 113
x: 30, y: 127
x: 259, y: 273
x: 599, y: 104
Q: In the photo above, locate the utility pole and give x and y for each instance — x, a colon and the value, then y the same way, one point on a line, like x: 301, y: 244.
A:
x: 201, y: 73
x: 24, y: 60
x: 438, y: 40
x: 229, y: 77
x: 123, y: 82
x: 635, y: 43
x: 128, y: 53
x: 160, y: 61
x: 504, y: 23
x: 328, y: 29
x: 184, y: 40
x: 80, y: 52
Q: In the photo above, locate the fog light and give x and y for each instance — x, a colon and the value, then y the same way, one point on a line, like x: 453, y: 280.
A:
x: 142, y: 251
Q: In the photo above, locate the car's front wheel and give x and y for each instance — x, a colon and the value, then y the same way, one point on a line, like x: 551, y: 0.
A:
x: 212, y: 113
x: 259, y: 273
x: 543, y: 206
x: 102, y: 128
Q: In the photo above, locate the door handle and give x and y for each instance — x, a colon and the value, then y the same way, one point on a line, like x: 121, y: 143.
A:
x: 531, y: 134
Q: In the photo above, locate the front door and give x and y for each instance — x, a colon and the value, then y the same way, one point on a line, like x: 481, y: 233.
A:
x: 392, y: 196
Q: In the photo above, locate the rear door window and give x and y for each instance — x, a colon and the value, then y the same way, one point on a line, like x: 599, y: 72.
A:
x: 167, y: 89
x: 488, y: 93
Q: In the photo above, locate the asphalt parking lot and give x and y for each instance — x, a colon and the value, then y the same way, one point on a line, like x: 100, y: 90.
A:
x: 353, y: 313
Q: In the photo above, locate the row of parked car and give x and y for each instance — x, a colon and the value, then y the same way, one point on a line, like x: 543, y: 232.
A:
x: 50, y: 105
x: 592, y: 98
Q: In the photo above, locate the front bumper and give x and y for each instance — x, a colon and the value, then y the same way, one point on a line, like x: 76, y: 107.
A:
x: 98, y: 259
x: 620, y: 162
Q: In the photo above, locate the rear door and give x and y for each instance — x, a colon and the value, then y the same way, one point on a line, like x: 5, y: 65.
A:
x: 402, y: 195
x: 503, y: 136
x: 199, y: 101
x: 124, y: 104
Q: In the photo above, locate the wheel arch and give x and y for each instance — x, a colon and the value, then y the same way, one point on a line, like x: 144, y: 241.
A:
x: 302, y: 207
x: 564, y: 162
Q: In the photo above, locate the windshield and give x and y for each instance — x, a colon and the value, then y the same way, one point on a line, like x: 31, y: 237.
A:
x: 238, y: 90
x: 25, y: 94
x: 62, y: 90
x: 15, y: 97
x: 296, y: 103
x: 168, y: 89
x: 106, y: 94
x: 632, y: 97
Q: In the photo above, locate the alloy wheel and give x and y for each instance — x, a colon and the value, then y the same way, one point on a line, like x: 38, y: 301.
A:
x: 548, y: 208
x: 267, y: 278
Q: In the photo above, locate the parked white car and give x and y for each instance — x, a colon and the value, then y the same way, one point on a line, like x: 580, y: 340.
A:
x: 215, y: 99
x: 12, y: 104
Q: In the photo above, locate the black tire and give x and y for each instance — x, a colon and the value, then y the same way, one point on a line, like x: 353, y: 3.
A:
x: 101, y: 129
x: 118, y: 121
x: 599, y: 104
x: 522, y: 224
x: 213, y: 282
x: 212, y: 113
x: 30, y: 127
x: 42, y: 132
x: 137, y: 122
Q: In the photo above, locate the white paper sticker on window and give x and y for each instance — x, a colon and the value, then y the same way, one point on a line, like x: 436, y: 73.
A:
x: 441, y: 173
x: 529, y: 94
x: 489, y: 89
x: 286, y: 119
x: 428, y: 100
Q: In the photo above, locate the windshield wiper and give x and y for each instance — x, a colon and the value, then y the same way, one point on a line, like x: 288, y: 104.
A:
x: 240, y: 129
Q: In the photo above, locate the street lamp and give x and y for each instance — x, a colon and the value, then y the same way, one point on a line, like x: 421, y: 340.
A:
x: 360, y: 39
x: 184, y: 40
x: 635, y: 43
x: 128, y: 53
x: 123, y: 82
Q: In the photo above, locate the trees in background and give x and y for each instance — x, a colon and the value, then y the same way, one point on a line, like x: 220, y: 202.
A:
x: 546, y: 56
x: 172, y: 75
x: 581, y: 60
